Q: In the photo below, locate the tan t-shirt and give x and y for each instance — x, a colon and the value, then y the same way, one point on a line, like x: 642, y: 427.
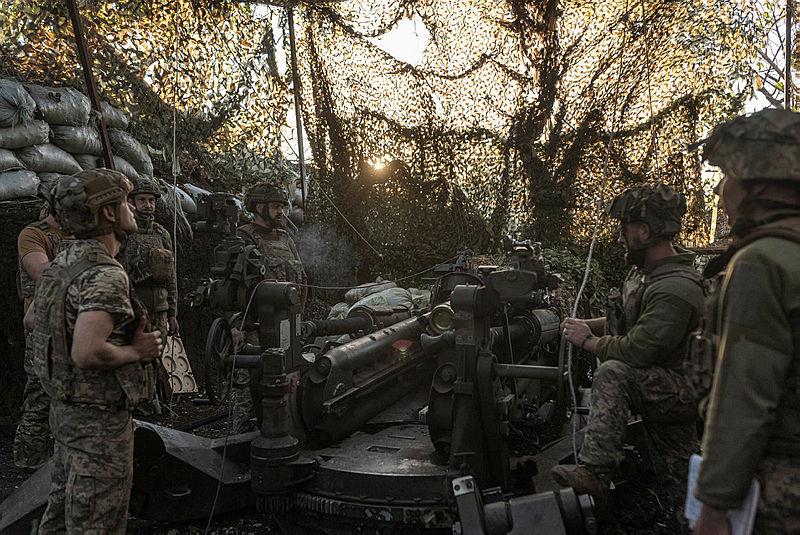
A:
x: 34, y: 239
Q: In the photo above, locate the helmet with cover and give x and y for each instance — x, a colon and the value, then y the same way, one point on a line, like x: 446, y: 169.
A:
x: 146, y: 185
x: 659, y: 206
x: 264, y: 193
x: 79, y: 198
x: 761, y: 146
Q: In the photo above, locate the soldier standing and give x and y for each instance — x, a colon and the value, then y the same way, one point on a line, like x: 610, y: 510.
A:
x: 148, y: 257
x: 753, y: 422
x: 89, y: 349
x: 282, y: 263
x: 641, y: 344
x: 37, y: 245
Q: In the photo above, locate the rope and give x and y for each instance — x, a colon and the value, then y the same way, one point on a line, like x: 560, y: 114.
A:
x: 596, y: 228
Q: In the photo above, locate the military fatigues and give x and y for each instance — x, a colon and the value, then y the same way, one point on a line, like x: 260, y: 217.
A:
x: 32, y: 439
x: 148, y: 257
x: 90, y: 409
x: 753, y: 422
x: 641, y: 370
x: 282, y: 263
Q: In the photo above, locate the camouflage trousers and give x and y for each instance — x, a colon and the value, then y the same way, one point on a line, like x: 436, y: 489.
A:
x: 32, y: 442
x: 664, y: 400
x: 779, y: 504
x: 93, y: 470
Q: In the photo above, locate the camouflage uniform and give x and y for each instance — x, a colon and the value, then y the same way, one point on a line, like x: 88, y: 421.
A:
x: 90, y: 409
x: 148, y: 259
x: 32, y: 444
x: 641, y: 370
x: 281, y: 263
x: 753, y: 422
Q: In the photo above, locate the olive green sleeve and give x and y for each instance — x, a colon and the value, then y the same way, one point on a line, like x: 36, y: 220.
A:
x: 755, y: 355
x: 661, y: 330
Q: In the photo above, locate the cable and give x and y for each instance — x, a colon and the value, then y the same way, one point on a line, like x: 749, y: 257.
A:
x: 595, y: 231
x: 231, y: 406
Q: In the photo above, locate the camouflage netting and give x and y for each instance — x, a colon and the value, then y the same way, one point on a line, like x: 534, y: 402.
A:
x: 504, y: 125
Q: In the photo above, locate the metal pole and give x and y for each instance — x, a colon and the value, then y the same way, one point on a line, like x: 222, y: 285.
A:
x: 787, y: 93
x: 298, y: 104
x: 85, y: 58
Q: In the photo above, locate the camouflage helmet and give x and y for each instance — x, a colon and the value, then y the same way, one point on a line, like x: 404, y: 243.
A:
x: 146, y: 185
x: 659, y: 206
x: 264, y: 193
x: 78, y: 199
x: 762, y: 146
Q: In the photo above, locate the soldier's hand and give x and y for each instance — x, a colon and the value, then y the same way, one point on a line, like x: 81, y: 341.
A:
x: 174, y: 328
x: 147, y: 345
x: 575, y: 330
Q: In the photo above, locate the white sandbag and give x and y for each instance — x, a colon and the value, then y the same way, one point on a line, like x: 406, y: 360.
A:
x: 15, y: 184
x: 60, y: 105
x: 126, y: 146
x: 47, y: 181
x: 16, y: 105
x: 187, y: 203
x: 197, y: 193
x: 113, y: 117
x: 363, y: 290
x: 77, y: 139
x: 391, y: 297
x: 9, y: 161
x: 30, y: 133
x: 123, y: 166
x: 88, y: 161
x: 48, y: 158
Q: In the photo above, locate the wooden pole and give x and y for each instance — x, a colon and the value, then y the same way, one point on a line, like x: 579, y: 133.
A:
x: 787, y: 93
x: 298, y: 103
x: 85, y: 58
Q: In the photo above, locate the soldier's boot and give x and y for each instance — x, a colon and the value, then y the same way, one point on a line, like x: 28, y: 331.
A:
x: 586, y: 479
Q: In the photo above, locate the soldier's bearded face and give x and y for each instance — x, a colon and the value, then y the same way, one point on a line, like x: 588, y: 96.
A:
x: 632, y: 236
x: 145, y: 205
x: 272, y: 214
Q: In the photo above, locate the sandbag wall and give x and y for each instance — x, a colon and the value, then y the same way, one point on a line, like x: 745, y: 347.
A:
x: 47, y: 132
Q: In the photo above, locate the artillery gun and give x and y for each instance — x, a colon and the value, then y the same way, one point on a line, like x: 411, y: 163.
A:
x: 396, y: 430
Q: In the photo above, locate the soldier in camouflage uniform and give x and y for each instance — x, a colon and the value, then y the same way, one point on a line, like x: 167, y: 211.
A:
x: 753, y: 420
x: 36, y: 246
x: 282, y: 262
x: 89, y: 349
x: 641, y: 344
x: 148, y: 257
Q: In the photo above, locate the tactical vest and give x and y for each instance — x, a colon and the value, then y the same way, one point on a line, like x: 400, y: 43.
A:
x: 280, y: 261
x: 623, y: 308
x: 126, y: 386
x: 704, y: 345
x: 150, y: 266
x: 25, y: 285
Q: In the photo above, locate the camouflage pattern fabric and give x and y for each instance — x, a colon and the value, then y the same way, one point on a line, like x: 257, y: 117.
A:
x: 753, y: 425
x: 662, y: 397
x: 93, y: 470
x: 136, y: 259
x: 659, y: 206
x: 762, y: 146
x: 32, y: 441
x: 779, y: 503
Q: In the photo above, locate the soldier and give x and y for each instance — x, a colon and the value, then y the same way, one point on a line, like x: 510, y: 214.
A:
x: 36, y: 246
x: 641, y: 344
x: 282, y: 262
x: 268, y: 231
x: 148, y: 257
x: 89, y: 349
x: 753, y: 421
